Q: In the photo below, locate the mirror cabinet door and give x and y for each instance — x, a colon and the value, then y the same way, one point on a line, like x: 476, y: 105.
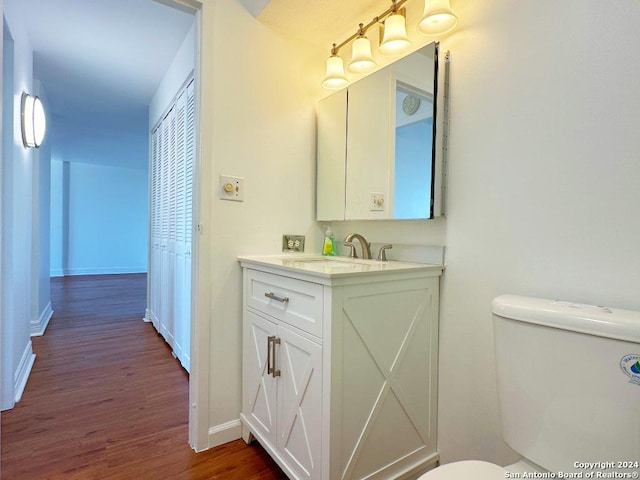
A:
x: 414, y: 110
x: 331, y: 152
x: 369, y: 147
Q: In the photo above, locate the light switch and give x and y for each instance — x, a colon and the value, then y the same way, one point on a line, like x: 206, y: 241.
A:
x: 377, y: 202
x: 231, y: 188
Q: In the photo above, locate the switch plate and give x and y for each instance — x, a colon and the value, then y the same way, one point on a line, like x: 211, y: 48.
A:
x: 377, y: 202
x: 231, y: 188
x: 293, y: 243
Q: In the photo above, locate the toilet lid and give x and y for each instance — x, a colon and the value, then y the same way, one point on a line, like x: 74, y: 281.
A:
x: 467, y: 470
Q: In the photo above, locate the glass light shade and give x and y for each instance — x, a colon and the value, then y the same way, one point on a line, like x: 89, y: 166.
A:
x: 394, y: 39
x: 438, y: 18
x: 39, y: 122
x: 34, y: 121
x: 335, y: 78
x: 361, y: 58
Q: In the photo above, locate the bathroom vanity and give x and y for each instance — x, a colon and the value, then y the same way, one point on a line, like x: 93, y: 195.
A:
x: 340, y: 365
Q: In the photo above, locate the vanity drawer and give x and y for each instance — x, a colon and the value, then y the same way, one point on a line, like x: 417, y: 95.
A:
x: 292, y: 301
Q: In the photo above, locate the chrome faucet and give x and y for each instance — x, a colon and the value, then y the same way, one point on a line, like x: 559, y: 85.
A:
x: 366, y: 250
x: 382, y: 255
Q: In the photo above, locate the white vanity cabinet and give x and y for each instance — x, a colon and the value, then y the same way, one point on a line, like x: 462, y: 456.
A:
x: 282, y: 368
x: 340, y: 365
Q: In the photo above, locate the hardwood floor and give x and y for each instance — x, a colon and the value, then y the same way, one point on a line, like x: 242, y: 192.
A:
x: 106, y: 400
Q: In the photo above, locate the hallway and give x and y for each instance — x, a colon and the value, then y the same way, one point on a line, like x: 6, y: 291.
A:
x: 106, y: 400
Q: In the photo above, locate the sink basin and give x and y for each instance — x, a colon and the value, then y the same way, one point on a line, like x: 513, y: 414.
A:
x: 328, y: 262
x: 331, y: 263
x: 324, y: 262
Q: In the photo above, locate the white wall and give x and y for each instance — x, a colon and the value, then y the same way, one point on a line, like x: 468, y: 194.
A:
x: 544, y: 185
x: 41, y: 310
x: 123, y: 145
x: 258, y: 123
x: 543, y: 192
x: 17, y: 228
x: 98, y: 201
x: 179, y: 71
x: 2, y: 143
x: 102, y: 226
x: 59, y: 218
x: 6, y: 327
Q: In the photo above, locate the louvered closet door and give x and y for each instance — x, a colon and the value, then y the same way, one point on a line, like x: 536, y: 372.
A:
x: 172, y: 159
x: 154, y: 216
x: 167, y: 261
x: 181, y: 298
x: 188, y: 207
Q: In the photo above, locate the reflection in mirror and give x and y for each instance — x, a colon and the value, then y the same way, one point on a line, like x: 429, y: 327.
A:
x: 413, y: 152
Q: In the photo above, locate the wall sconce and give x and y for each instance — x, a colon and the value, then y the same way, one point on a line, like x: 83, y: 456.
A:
x: 437, y: 19
x: 34, y: 121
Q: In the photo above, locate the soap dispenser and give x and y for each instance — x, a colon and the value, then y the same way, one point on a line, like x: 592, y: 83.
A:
x: 329, y: 244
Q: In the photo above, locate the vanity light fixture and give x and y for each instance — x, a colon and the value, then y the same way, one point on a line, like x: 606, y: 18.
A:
x: 34, y: 121
x: 438, y: 18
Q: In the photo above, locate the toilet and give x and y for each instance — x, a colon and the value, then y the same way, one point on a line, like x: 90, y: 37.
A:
x: 568, y: 389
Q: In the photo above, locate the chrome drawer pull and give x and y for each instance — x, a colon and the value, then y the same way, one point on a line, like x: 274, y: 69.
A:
x: 269, y: 347
x: 273, y: 296
x: 272, y: 341
x: 275, y: 371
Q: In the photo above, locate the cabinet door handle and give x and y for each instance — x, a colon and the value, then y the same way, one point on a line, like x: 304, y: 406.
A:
x: 273, y: 296
x: 269, y: 360
x: 276, y: 371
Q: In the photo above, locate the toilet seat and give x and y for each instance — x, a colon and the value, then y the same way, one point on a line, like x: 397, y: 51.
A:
x: 466, y: 470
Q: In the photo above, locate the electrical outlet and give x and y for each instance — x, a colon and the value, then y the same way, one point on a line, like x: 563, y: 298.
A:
x: 232, y: 188
x: 377, y: 203
x: 293, y: 243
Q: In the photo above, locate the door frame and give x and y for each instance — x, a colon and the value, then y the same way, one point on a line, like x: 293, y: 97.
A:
x: 200, y: 330
x: 199, y: 384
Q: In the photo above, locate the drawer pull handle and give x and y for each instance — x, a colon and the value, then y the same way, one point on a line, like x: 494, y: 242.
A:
x: 276, y: 371
x: 272, y: 341
x: 269, y: 365
x: 273, y: 296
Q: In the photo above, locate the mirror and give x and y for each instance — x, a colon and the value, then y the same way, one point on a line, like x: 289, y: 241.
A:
x: 376, y: 148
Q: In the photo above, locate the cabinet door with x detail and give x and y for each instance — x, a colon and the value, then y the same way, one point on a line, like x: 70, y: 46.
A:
x: 299, y: 428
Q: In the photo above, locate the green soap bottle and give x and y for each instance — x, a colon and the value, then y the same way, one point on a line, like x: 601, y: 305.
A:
x: 329, y: 244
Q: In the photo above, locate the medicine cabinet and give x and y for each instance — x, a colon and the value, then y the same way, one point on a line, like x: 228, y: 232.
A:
x: 378, y: 144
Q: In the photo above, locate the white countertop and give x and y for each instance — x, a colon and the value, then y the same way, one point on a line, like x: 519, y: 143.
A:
x: 332, y: 267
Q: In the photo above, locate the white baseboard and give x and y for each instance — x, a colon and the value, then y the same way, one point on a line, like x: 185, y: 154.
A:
x: 21, y: 374
x: 225, y: 433
x: 40, y: 325
x: 96, y: 271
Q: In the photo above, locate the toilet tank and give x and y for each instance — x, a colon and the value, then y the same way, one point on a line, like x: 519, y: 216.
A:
x: 568, y: 383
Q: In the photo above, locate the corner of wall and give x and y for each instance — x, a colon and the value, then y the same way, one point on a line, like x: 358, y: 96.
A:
x: 39, y: 325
